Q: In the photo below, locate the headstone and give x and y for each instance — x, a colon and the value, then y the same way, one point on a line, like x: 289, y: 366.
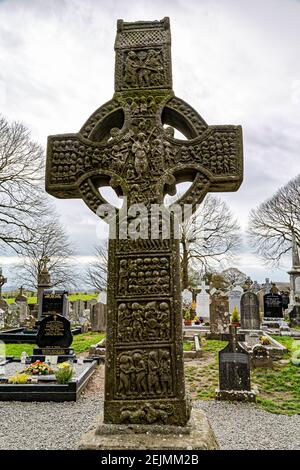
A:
x: 187, y: 297
x: 12, y: 318
x: 54, y: 336
x: 85, y: 315
x: 260, y: 357
x: 203, y: 302
x: 2, y: 318
x: 102, y: 297
x: 90, y: 303
x: 54, y: 301
x: 250, y: 311
x: 21, y: 298
x: 267, y: 286
x: 234, y: 372
x: 98, y: 317
x: 219, y: 318
x: 24, y: 311
x: 44, y: 282
x: 234, y: 298
x: 273, y: 306
x: 255, y: 287
x: 140, y: 159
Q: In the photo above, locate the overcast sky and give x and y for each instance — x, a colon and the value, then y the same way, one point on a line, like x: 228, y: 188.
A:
x: 234, y: 61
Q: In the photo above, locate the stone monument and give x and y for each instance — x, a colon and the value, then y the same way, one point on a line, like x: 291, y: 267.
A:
x: 125, y: 144
x: 294, y: 305
x: 44, y: 282
x: 234, y: 298
x: 250, y: 311
x: 219, y: 317
x: 203, y: 301
x: 3, y: 280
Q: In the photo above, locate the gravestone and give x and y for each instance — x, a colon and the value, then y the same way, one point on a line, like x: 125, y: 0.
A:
x: 267, y: 286
x: 54, y: 336
x: 203, y: 302
x: 234, y: 298
x: 219, y: 317
x: 12, y: 318
x: 102, y: 297
x: 273, y: 306
x: 98, y: 317
x: 44, y: 282
x: 234, y: 372
x: 2, y: 318
x: 54, y: 301
x: 124, y: 144
x: 260, y: 357
x: 187, y: 297
x: 250, y: 311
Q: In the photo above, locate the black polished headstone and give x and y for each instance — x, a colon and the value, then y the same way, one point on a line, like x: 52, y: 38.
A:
x: 54, y: 333
x: 54, y: 301
x: 273, y: 306
x: 250, y: 311
x: 234, y: 368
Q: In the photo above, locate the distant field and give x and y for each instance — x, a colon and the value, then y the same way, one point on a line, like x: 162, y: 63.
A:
x: 71, y: 297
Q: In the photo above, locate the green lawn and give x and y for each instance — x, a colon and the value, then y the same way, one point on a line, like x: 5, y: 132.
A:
x: 80, y: 344
x: 279, y: 388
x: 71, y: 297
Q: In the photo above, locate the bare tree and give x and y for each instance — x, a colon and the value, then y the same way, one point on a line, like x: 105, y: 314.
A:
x: 21, y: 192
x: 234, y: 277
x: 96, y: 272
x: 50, y: 240
x: 272, y: 224
x: 208, y: 238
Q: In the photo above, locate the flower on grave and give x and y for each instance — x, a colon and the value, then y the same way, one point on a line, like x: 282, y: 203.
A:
x: 18, y: 379
x: 64, y: 372
x: 38, y: 368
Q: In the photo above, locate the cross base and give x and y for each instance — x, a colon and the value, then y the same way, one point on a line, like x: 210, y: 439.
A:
x: 236, y: 395
x: 196, y: 435
x: 174, y: 412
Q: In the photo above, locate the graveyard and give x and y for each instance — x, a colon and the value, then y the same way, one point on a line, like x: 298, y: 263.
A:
x: 159, y: 338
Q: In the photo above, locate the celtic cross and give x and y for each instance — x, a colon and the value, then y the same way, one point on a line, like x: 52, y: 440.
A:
x: 129, y: 144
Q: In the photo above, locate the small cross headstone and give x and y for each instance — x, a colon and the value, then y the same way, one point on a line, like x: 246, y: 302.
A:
x: 125, y: 144
x: 267, y: 286
x: 234, y: 372
x: 250, y: 311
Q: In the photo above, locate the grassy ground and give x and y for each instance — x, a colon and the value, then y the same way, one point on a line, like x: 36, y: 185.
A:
x: 80, y: 344
x: 71, y: 297
x: 279, y: 388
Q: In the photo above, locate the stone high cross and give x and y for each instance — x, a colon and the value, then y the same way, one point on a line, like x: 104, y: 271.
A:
x: 124, y: 144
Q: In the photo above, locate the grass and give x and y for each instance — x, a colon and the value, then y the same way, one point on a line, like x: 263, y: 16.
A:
x: 187, y: 345
x: 71, y: 297
x: 279, y: 388
x: 81, y: 343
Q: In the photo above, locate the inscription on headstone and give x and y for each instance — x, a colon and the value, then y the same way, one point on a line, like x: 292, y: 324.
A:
x: 273, y: 306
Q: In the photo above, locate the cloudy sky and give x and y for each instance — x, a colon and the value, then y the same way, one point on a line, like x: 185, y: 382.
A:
x: 234, y: 61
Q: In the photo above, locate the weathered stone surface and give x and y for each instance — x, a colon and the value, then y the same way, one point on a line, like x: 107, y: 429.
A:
x: 98, y: 317
x: 219, y: 317
x: 250, y: 311
x: 125, y: 144
x: 197, y: 434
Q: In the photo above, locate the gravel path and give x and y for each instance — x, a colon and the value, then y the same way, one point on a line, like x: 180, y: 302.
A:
x: 60, y: 425
x: 46, y: 425
x: 244, y: 426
